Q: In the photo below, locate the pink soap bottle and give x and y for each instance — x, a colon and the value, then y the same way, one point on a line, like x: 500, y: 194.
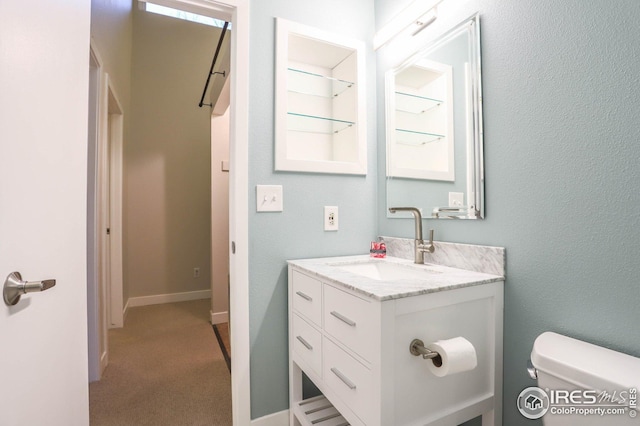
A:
x: 378, y: 249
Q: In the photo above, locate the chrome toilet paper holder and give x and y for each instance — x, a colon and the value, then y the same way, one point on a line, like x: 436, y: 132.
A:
x: 417, y: 348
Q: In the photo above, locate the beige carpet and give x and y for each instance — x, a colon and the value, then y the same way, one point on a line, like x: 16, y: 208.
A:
x: 165, y: 368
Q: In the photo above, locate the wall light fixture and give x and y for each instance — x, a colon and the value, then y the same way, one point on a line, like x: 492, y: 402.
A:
x: 409, y: 22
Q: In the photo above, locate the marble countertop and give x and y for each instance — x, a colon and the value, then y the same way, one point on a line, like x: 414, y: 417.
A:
x: 436, y: 277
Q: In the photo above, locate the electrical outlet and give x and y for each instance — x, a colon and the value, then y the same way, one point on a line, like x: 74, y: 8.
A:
x: 196, y: 272
x: 330, y: 218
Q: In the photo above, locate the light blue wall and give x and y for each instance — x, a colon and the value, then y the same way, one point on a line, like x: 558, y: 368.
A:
x: 298, y: 231
x: 562, y: 154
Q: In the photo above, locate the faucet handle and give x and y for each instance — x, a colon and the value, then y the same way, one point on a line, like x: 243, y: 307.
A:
x: 427, y: 246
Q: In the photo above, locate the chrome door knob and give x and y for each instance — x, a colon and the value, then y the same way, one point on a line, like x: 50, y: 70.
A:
x: 14, y: 287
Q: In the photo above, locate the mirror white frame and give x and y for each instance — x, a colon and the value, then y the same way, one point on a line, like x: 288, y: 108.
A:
x: 417, y: 183
x: 320, y: 112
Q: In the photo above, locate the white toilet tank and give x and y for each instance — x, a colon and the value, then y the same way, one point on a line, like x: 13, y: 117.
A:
x: 584, y: 382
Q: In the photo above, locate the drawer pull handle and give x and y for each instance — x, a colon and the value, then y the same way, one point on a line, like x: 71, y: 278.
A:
x: 342, y: 377
x: 304, y: 342
x: 343, y: 318
x: 304, y: 296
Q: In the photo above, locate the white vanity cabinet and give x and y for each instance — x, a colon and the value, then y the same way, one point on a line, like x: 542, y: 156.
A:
x: 353, y: 343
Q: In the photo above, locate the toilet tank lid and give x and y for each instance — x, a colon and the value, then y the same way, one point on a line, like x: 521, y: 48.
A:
x: 584, y: 364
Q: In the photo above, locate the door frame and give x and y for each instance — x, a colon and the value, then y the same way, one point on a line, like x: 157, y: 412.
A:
x: 104, y: 195
x: 97, y: 330
x: 236, y: 12
x: 113, y: 151
x: 238, y: 203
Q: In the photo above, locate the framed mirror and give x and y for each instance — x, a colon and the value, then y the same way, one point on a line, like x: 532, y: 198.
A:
x: 320, y: 101
x: 433, y: 108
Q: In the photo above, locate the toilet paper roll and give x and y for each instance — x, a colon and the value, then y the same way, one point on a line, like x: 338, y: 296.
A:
x: 457, y: 355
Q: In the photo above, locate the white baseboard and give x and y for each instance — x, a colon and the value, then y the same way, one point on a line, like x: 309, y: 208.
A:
x: 167, y: 298
x: 125, y: 311
x: 276, y: 419
x: 219, y: 317
x: 104, y: 360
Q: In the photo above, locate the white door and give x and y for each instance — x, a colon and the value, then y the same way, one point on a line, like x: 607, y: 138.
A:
x: 44, y: 51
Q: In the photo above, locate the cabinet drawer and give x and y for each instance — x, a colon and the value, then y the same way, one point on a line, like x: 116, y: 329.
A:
x: 350, y: 380
x: 351, y: 320
x: 307, y: 297
x: 307, y: 343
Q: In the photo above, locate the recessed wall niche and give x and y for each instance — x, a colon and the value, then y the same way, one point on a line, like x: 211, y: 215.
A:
x: 320, y: 118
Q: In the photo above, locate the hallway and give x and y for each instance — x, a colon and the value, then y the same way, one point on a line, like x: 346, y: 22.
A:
x: 165, y: 368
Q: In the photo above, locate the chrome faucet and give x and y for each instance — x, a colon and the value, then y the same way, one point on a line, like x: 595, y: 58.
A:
x: 420, y: 246
x: 450, y: 212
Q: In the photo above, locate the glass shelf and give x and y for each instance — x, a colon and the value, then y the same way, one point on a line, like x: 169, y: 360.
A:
x: 413, y: 138
x: 313, y: 124
x: 308, y: 83
x: 415, y: 104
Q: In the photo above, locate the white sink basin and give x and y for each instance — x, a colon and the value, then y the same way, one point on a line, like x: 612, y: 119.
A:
x: 387, y: 271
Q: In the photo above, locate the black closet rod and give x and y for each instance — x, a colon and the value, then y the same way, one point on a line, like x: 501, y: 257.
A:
x: 213, y: 64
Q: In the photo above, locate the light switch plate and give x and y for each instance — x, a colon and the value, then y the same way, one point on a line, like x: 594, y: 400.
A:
x: 269, y: 198
x: 456, y: 199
